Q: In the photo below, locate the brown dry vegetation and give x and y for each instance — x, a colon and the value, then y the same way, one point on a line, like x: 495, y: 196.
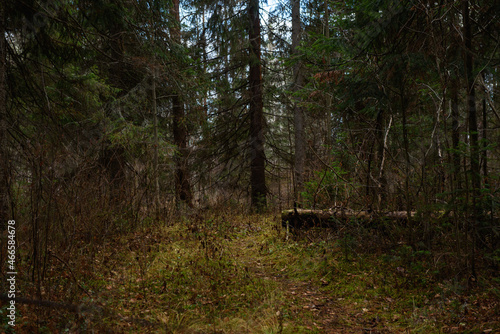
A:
x: 236, y: 273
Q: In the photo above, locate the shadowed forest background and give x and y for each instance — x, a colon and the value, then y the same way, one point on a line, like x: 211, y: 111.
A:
x: 118, y: 117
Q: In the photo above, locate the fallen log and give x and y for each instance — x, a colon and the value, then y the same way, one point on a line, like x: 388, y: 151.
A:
x: 305, y: 218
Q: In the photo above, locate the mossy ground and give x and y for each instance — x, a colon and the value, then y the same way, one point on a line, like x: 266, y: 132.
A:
x: 236, y: 273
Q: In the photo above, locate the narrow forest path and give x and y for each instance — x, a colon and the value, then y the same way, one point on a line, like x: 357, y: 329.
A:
x: 304, y: 306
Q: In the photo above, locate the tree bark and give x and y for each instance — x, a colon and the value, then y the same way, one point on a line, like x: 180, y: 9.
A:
x: 301, y: 218
x: 328, y: 102
x: 485, y: 145
x: 381, y: 175
x: 182, y: 184
x: 257, y: 164
x: 471, y: 105
x: 300, y: 147
x: 406, y: 146
x: 156, y: 143
x: 455, y: 135
x: 117, y: 68
x: 4, y: 153
x: 473, y: 133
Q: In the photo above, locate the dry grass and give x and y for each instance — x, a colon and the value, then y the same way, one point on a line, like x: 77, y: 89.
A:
x: 229, y: 272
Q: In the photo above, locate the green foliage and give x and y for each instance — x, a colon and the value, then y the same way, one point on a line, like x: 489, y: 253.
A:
x: 326, y: 187
x: 6, y: 328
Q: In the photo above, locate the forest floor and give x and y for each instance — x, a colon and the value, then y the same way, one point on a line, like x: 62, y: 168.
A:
x: 230, y: 273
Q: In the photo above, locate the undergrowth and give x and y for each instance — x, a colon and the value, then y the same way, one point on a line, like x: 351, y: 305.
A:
x: 237, y: 273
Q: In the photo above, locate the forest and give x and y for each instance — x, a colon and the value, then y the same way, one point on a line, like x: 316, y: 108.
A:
x: 164, y: 165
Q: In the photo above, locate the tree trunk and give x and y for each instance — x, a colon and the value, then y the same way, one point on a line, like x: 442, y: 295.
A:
x: 301, y: 218
x: 182, y: 184
x: 117, y: 68
x: 471, y: 105
x: 328, y: 102
x: 257, y: 165
x: 485, y: 145
x: 372, y: 155
x: 406, y: 146
x: 455, y: 136
x: 4, y: 158
x: 300, y: 147
x: 473, y: 134
x: 156, y: 144
x: 382, y: 181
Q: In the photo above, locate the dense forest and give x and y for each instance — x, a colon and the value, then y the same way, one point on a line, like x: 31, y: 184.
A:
x: 192, y: 121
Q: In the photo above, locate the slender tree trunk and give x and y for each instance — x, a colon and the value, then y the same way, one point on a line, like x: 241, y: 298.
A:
x: 328, y: 103
x: 372, y: 155
x: 471, y: 104
x: 257, y: 169
x: 182, y: 184
x: 485, y: 144
x: 381, y: 176
x: 156, y: 200
x: 407, y: 154
x: 300, y: 146
x: 156, y: 145
x: 406, y: 144
x: 455, y: 136
x: 4, y: 159
x: 369, y: 172
x: 113, y: 158
x: 456, y: 174
x: 117, y: 51
x: 473, y: 132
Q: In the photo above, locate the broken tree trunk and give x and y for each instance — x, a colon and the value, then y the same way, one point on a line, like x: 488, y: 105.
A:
x: 302, y: 218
